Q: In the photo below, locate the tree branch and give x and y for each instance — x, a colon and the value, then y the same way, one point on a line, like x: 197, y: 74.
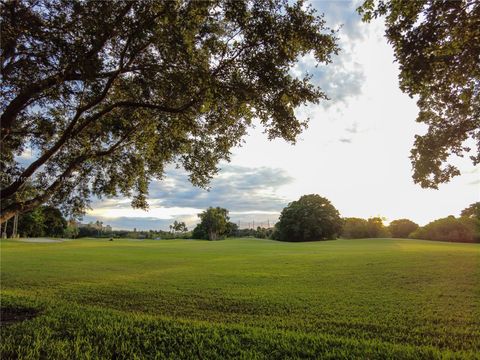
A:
x: 71, y: 133
x: 19, y: 207
x: 21, y: 100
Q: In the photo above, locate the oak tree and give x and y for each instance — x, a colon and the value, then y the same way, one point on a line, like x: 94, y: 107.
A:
x: 310, y: 218
x: 214, y: 223
x: 103, y: 95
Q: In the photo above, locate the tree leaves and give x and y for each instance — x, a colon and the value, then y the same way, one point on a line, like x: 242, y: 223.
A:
x: 119, y: 91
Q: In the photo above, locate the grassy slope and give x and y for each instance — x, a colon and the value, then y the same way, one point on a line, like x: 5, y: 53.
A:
x: 243, y: 298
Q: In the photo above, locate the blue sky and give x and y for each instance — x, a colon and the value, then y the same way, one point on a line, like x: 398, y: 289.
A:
x: 354, y: 152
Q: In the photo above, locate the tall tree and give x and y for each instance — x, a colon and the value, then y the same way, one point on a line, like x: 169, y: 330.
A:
x: 437, y: 45
x: 106, y: 96
x: 214, y: 223
x: 178, y: 226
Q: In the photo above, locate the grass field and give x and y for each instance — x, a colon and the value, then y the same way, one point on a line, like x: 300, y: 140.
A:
x: 241, y: 298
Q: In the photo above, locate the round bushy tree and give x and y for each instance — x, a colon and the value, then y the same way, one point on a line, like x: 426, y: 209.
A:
x: 310, y: 218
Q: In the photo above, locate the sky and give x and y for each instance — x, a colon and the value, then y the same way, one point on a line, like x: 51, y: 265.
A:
x: 355, y: 151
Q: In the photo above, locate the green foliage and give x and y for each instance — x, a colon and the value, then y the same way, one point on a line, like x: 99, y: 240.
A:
x: 89, y: 231
x: 242, y: 298
x: 247, y: 232
x: 310, y: 218
x: 214, y: 223
x: 53, y: 221
x: 108, y: 95
x: 436, y: 44
x: 232, y: 229
x: 178, y: 227
x: 71, y: 231
x: 264, y: 233
x: 463, y: 229
x: 200, y: 232
x: 357, y: 228
x: 472, y: 211
x: 376, y: 229
x: 402, y: 228
x: 31, y: 224
x: 42, y: 221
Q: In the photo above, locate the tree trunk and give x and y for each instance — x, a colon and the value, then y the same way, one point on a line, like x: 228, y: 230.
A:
x: 15, y: 226
x: 4, y: 234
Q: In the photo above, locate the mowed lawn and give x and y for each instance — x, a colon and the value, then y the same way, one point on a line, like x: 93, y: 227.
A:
x: 241, y: 298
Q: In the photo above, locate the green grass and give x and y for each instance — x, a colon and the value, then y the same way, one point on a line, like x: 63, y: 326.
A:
x: 242, y: 298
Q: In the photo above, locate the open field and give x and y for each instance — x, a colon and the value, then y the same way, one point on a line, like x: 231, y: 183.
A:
x: 241, y: 298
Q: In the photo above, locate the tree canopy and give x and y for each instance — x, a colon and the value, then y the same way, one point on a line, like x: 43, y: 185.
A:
x: 41, y: 221
x: 310, y: 218
x: 357, y: 228
x: 462, y: 229
x: 178, y: 226
x: 472, y: 211
x: 354, y: 228
x: 214, y: 223
x: 402, y: 228
x: 437, y: 45
x: 104, y: 97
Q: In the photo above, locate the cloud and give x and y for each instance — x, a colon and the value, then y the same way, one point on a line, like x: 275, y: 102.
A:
x: 146, y: 223
x: 341, y: 14
x: 344, y: 77
x: 351, y: 132
x: 353, y: 129
x: 250, y: 194
x: 236, y: 188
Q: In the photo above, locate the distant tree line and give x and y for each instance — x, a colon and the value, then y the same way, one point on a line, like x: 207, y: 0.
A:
x: 451, y: 228
x: 311, y: 218
x: 315, y: 218
x: 97, y: 230
x: 357, y: 228
x: 465, y: 228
